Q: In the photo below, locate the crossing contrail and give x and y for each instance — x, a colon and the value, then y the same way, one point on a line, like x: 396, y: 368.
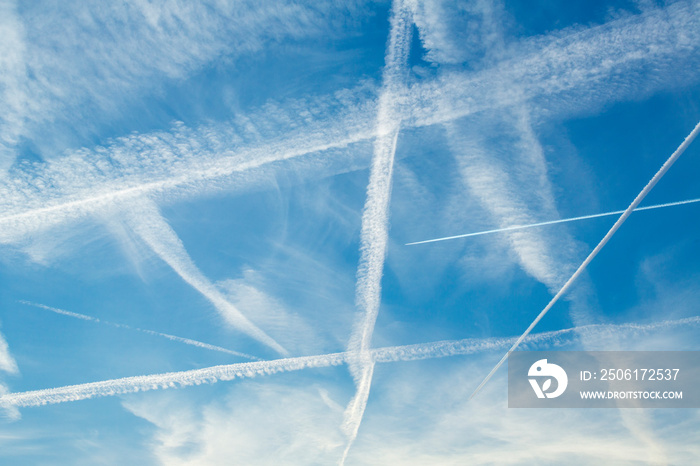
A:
x: 186, y: 341
x: 374, y: 233
x: 626, y: 213
x: 554, y: 222
x: 421, y: 351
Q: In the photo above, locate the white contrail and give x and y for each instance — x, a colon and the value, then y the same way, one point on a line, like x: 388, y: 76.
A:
x: 202, y: 175
x: 374, y: 233
x: 554, y: 222
x: 637, y: 200
x: 438, y: 349
x: 588, y: 62
x: 186, y: 341
x: 145, y: 220
x: 546, y: 254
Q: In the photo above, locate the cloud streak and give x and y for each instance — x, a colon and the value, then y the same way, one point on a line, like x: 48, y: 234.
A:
x: 637, y: 200
x: 145, y: 220
x: 416, y: 352
x: 7, y: 362
x: 564, y: 74
x: 554, y: 222
x: 89, y: 60
x: 186, y: 341
x: 375, y: 228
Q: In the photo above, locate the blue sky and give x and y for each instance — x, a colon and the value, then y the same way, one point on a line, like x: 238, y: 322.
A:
x: 228, y: 188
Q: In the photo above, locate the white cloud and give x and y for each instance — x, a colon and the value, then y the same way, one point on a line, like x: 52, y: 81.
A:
x: 184, y: 162
x: 66, y: 61
x: 7, y: 362
x: 564, y: 74
x: 456, y: 32
x: 288, y: 327
x: 12, y: 78
x: 8, y: 412
x: 255, y: 424
x: 428, y: 420
x: 511, y: 193
x: 573, y: 71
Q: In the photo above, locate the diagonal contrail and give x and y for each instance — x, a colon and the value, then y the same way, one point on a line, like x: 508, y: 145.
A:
x: 145, y: 220
x: 186, y: 341
x: 374, y: 233
x: 421, y: 351
x: 554, y: 222
x: 627, y: 212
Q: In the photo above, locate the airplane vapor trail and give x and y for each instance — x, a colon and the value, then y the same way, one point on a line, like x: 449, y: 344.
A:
x: 374, y: 232
x: 186, y: 341
x: 421, y: 351
x: 637, y: 200
x: 554, y: 222
x: 145, y: 220
x: 588, y: 63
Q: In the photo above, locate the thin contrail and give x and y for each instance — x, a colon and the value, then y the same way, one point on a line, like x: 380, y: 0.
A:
x: 554, y: 222
x: 438, y: 349
x: 637, y: 200
x: 186, y: 341
x: 374, y: 233
x: 145, y: 220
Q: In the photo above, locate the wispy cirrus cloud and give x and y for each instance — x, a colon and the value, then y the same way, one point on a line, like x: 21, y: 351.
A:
x: 12, y: 78
x: 251, y: 295
x: 7, y: 362
x: 415, y: 422
x: 564, y: 74
x: 9, y: 365
x: 302, y: 431
x: 86, y: 60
